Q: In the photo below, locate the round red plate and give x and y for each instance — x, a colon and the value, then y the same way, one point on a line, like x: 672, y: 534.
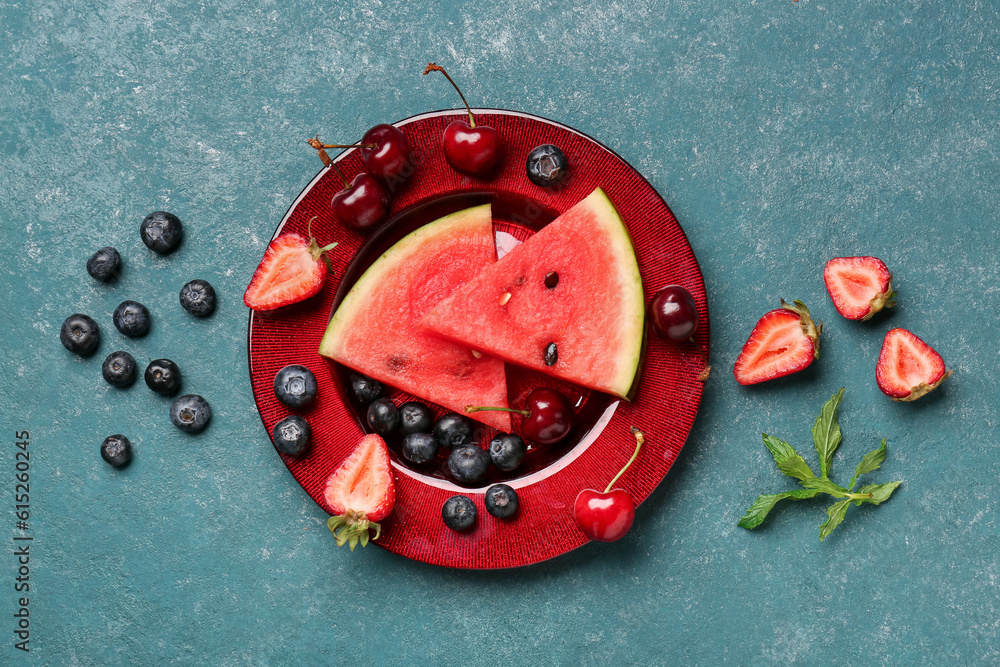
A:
x: 667, y: 395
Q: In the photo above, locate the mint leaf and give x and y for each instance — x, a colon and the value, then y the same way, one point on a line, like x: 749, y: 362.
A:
x: 879, y: 493
x: 826, y: 486
x: 764, y: 504
x: 826, y: 433
x: 869, y: 463
x: 788, y: 460
x: 836, y: 513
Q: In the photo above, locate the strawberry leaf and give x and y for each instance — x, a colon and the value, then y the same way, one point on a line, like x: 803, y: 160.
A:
x: 764, y: 504
x: 869, y: 463
x: 826, y: 433
x: 836, y: 513
x: 789, y: 461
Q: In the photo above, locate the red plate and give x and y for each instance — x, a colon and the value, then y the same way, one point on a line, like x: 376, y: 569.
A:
x: 668, y: 393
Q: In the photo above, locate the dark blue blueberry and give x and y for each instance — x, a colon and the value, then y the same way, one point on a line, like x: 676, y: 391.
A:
x: 501, y: 501
x: 383, y: 416
x: 190, y: 413
x: 117, y: 450
x: 295, y: 386
x: 80, y: 334
x: 119, y: 369
x: 198, y: 298
x: 547, y: 166
x: 420, y: 447
x: 132, y: 319
x: 161, y: 232
x: 365, y: 388
x: 507, y: 451
x: 453, y: 430
x: 163, y: 376
x: 103, y: 265
x: 292, y: 435
x: 468, y: 463
x: 415, y: 417
x: 459, y: 513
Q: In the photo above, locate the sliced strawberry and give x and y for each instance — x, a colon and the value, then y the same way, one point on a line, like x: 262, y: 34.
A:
x: 908, y: 368
x: 292, y: 270
x: 784, y: 341
x: 859, y: 286
x: 360, y: 492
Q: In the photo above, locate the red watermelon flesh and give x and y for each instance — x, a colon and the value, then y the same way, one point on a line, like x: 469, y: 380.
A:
x: 594, y: 313
x: 374, y: 330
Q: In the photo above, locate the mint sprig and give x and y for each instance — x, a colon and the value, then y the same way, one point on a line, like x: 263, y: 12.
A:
x: 826, y: 438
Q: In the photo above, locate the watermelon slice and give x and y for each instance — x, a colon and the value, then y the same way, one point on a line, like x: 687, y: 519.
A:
x: 374, y: 329
x: 567, y: 302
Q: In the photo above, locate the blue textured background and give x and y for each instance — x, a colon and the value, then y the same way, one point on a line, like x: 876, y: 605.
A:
x: 780, y: 133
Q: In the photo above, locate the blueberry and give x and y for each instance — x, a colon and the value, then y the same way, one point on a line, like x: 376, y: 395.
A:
x: 292, y: 435
x: 383, y: 417
x: 80, y: 334
x: 415, y: 417
x: 459, y: 513
x: 420, y: 447
x: 117, y: 450
x: 501, y: 501
x: 453, y: 430
x: 295, y: 386
x: 163, y: 376
x: 131, y: 318
x: 119, y: 369
x: 365, y: 388
x: 103, y: 265
x: 547, y: 166
x: 198, y: 298
x: 190, y: 413
x: 468, y: 463
x: 507, y: 451
x: 161, y: 232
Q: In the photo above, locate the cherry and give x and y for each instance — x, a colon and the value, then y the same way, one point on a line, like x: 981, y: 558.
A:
x: 546, y: 419
x: 363, y: 204
x: 673, y: 313
x: 607, y: 516
x: 469, y: 149
x: 387, y: 154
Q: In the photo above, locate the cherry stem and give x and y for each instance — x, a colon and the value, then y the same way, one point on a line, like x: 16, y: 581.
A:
x: 431, y: 67
x: 481, y: 408
x: 327, y: 162
x: 639, y: 438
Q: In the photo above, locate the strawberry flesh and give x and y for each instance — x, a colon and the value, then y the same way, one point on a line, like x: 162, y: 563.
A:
x: 292, y: 270
x: 783, y: 342
x: 363, y: 484
x: 908, y: 368
x: 859, y: 286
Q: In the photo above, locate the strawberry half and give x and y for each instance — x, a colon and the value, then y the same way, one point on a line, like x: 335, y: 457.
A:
x: 361, y: 492
x: 859, y: 286
x: 783, y: 342
x: 292, y: 270
x: 908, y: 368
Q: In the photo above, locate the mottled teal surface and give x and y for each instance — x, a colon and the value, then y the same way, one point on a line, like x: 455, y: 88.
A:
x: 780, y: 133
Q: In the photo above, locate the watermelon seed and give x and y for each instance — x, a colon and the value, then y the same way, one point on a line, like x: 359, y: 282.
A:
x: 505, y: 298
x: 477, y: 354
x: 551, y: 354
x: 551, y: 279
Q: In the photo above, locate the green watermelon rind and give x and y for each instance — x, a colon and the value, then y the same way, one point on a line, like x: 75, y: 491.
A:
x: 353, y: 304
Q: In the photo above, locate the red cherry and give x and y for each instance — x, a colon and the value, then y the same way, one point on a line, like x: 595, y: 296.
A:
x: 607, y: 516
x: 469, y: 149
x: 604, y: 517
x: 362, y: 205
x: 673, y: 313
x: 387, y: 154
x: 546, y: 419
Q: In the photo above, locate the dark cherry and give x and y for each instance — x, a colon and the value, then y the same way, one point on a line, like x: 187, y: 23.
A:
x: 363, y: 204
x: 387, y: 155
x: 673, y: 313
x: 547, y: 416
x: 468, y: 148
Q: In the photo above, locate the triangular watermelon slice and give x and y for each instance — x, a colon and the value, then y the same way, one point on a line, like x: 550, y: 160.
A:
x: 567, y: 302
x: 374, y: 330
